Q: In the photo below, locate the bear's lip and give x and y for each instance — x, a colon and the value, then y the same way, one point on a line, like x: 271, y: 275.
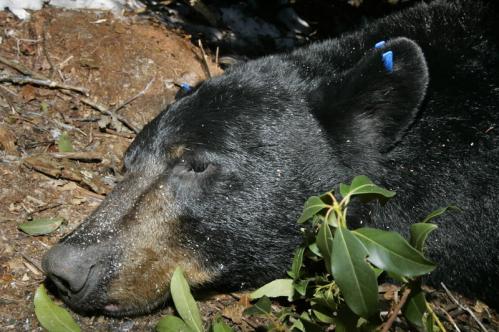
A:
x: 112, y: 308
x: 117, y: 309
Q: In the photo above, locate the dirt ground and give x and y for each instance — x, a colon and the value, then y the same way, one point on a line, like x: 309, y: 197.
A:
x: 130, y: 68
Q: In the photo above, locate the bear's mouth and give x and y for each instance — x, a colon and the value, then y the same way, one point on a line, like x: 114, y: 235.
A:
x: 116, y: 309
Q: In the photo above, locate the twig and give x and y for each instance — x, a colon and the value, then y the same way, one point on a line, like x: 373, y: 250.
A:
x: 489, y: 129
x: 129, y: 100
x: 116, y: 133
x: 104, y: 110
x: 39, y: 79
x: 65, y: 62
x: 250, y: 323
x: 396, y: 310
x: 80, y: 155
x: 18, y: 43
x: 32, y: 262
x: 89, y: 193
x: 450, y: 319
x: 463, y: 307
x: 33, y: 78
x: 435, y: 317
x: 42, y: 82
x: 44, y: 48
x: 113, y: 134
x: 216, y: 56
x: 67, y: 126
x: 44, y: 208
x: 9, y: 101
x: 205, y: 59
x: 19, y: 67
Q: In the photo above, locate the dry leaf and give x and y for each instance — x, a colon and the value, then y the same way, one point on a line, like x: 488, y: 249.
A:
x: 480, y: 307
x: 7, y: 140
x: 28, y: 92
x: 234, y: 312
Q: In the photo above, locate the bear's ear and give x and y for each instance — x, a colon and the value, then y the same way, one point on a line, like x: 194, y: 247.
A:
x: 375, y: 101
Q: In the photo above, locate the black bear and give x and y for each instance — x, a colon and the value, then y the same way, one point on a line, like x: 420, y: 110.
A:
x: 216, y: 182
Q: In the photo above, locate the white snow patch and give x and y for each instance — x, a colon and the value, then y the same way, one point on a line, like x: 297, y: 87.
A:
x: 20, y: 7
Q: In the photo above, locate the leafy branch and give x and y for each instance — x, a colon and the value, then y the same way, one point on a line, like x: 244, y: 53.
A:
x: 334, y: 274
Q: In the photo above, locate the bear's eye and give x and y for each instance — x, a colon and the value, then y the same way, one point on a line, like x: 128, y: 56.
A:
x: 197, y: 167
x: 185, y: 167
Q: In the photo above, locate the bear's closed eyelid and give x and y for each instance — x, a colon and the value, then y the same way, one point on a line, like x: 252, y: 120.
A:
x: 193, y: 166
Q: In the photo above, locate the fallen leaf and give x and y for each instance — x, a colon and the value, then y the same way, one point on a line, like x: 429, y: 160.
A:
x: 234, y: 312
x: 41, y: 226
x: 28, y: 92
x: 245, y: 300
x: 51, y: 316
x: 64, y: 143
x: 480, y: 307
x: 8, y: 140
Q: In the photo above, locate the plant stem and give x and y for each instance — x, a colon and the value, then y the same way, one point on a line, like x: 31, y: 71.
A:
x: 396, y: 310
x: 435, y: 317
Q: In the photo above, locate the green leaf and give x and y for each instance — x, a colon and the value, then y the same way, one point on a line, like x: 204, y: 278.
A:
x: 41, y: 226
x: 362, y: 185
x: 344, y: 189
x: 261, y: 307
x: 184, y: 302
x: 439, y: 212
x: 346, y: 321
x: 284, y: 314
x: 297, y: 326
x: 301, y: 286
x: 315, y: 249
x: 64, y: 143
x: 220, y: 326
x: 52, y: 317
x: 308, y: 324
x: 276, y: 288
x: 353, y: 274
x: 332, y: 220
x: 377, y: 272
x: 415, y: 308
x: 391, y: 252
x: 397, y: 277
x: 324, y: 242
x: 325, y: 298
x: 313, y: 205
x: 323, y: 315
x: 44, y: 107
x: 419, y: 233
x: 297, y: 263
x: 323, y: 308
x: 172, y: 324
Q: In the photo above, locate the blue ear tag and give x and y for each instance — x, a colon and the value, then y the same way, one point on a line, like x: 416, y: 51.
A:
x: 185, y: 87
x: 379, y: 44
x: 388, y: 61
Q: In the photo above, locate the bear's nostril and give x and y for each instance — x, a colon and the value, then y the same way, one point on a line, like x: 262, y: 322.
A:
x: 62, y: 285
x: 68, y: 268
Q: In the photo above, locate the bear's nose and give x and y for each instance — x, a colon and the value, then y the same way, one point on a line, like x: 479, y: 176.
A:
x: 68, y: 267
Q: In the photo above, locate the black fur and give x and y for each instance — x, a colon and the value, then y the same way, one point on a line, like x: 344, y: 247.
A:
x: 270, y: 132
